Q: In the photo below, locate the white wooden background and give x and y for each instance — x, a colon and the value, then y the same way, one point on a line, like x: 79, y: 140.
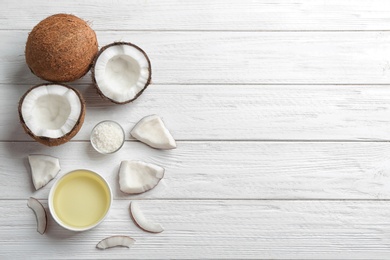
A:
x: 281, y: 110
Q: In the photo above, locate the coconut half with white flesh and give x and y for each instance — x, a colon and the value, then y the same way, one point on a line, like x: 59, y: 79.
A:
x: 52, y: 114
x: 137, y: 177
x: 121, y: 72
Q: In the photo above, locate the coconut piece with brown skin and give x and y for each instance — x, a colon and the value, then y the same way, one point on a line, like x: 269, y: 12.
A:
x: 40, y: 214
x: 43, y: 169
x: 143, y: 222
x: 121, y: 72
x: 52, y: 114
x: 115, y: 241
x: 137, y: 176
x: 61, y: 48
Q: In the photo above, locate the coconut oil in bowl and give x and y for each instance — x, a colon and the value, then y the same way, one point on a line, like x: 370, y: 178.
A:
x: 80, y: 200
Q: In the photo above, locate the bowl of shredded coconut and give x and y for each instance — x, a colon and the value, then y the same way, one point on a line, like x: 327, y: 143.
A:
x: 107, y: 137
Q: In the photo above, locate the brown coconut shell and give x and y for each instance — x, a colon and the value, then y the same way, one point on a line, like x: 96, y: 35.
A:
x: 53, y: 141
x: 61, y: 48
x: 94, y: 78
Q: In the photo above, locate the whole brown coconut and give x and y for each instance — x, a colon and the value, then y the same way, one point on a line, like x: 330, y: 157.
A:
x: 61, y: 48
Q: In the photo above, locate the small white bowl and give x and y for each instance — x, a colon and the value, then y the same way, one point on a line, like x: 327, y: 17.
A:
x: 77, y: 201
x: 119, y: 128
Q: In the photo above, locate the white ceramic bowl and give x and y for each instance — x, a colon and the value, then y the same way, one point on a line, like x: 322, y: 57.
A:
x: 75, y: 196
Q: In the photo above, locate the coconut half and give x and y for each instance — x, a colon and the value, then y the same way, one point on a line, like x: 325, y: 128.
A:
x: 121, y: 72
x: 52, y: 114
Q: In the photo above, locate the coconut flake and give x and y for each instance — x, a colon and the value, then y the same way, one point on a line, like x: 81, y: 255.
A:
x: 115, y: 241
x: 40, y: 214
x: 107, y: 137
x: 152, y: 131
x: 43, y: 169
x: 138, y: 177
x: 142, y: 222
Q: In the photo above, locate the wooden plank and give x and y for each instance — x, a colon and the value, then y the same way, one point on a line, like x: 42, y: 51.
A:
x: 221, y: 170
x: 235, y: 112
x: 207, y: 15
x: 237, y: 57
x: 213, y: 230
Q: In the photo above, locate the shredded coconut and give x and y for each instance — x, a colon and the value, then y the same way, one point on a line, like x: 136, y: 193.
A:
x: 107, y: 137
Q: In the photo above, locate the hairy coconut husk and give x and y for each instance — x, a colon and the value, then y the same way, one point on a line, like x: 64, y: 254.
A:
x: 54, y: 141
x: 61, y: 48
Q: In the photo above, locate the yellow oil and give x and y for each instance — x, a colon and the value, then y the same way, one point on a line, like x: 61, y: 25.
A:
x: 81, y: 199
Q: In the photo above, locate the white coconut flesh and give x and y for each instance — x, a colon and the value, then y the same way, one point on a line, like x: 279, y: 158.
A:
x: 121, y: 72
x: 115, y: 241
x: 138, y: 177
x: 152, y: 131
x: 40, y: 214
x: 43, y: 169
x: 51, y: 110
x: 143, y: 222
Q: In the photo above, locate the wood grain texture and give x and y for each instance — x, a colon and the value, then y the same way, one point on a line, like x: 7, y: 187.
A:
x: 207, y: 15
x: 221, y: 170
x: 234, y: 112
x: 212, y: 230
x: 281, y: 109
x: 237, y: 57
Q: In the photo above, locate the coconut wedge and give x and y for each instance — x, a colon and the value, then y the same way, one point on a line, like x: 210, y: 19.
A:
x: 121, y: 72
x: 152, y: 131
x: 52, y: 114
x: 137, y: 177
x: 40, y: 214
x: 115, y: 241
x: 43, y: 169
x: 141, y: 221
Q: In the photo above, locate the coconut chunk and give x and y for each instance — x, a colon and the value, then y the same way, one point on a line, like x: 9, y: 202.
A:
x: 40, y: 214
x: 138, y: 177
x: 43, y: 169
x: 121, y: 72
x: 115, y: 241
x: 142, y: 222
x: 151, y: 130
x: 52, y: 113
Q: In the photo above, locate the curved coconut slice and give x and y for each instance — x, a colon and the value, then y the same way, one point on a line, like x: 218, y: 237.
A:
x: 52, y: 114
x: 40, y: 214
x: 137, y: 176
x: 43, y: 169
x: 142, y: 222
x: 121, y: 72
x: 152, y: 131
x: 115, y: 241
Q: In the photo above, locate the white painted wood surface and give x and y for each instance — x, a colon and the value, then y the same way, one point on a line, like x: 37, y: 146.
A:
x: 281, y: 110
x: 237, y: 57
